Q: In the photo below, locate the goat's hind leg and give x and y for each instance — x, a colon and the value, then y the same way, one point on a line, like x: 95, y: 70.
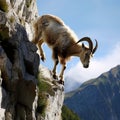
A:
x: 62, y: 61
x: 61, y: 81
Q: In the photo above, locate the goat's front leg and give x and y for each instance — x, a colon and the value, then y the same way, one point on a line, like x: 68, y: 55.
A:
x: 62, y: 72
x: 41, y: 50
x: 55, y: 58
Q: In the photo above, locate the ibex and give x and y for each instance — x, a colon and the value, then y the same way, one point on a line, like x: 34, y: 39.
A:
x: 63, y: 42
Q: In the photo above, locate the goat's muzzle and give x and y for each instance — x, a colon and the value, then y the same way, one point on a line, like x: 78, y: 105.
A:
x: 86, y: 66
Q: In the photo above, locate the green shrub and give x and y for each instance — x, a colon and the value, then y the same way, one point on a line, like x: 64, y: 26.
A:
x: 44, y: 89
x: 42, y: 103
x: 3, y: 5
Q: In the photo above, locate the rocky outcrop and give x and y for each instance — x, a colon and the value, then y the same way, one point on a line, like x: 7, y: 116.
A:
x: 19, y: 66
x: 18, y: 61
x: 97, y: 99
x: 54, y: 95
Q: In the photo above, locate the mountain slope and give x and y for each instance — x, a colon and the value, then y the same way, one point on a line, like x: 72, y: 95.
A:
x: 97, y: 99
x: 68, y: 114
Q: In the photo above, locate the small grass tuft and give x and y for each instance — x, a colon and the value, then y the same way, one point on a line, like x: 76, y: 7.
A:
x: 28, y: 3
x: 12, y: 19
x: 3, y: 6
x: 42, y: 103
x: 45, y: 87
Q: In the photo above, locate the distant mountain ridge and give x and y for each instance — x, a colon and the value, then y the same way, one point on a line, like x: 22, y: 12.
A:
x: 97, y: 99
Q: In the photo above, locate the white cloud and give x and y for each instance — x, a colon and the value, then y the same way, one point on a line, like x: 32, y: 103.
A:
x: 97, y: 67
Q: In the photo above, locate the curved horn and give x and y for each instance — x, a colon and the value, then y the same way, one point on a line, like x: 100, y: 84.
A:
x: 88, y: 40
x: 95, y: 48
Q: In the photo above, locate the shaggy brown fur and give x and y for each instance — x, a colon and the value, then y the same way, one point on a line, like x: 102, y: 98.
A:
x: 63, y: 42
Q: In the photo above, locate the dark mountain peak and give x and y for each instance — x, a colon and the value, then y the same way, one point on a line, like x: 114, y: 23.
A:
x: 112, y: 74
x: 97, y: 99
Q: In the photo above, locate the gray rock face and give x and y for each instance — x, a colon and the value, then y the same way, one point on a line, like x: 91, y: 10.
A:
x: 19, y: 61
x: 98, y: 99
x: 19, y: 66
x: 55, y: 98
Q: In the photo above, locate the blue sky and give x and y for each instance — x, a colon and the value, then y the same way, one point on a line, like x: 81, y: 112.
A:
x: 98, y: 19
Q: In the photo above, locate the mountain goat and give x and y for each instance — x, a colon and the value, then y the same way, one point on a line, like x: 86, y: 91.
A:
x: 63, y: 42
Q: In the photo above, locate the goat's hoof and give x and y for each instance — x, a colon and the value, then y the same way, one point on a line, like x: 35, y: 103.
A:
x: 61, y: 82
x: 55, y: 77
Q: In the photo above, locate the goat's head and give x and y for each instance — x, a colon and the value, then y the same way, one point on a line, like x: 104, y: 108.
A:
x: 87, y: 52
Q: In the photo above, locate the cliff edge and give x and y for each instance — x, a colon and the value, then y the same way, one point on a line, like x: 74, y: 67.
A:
x: 24, y: 93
